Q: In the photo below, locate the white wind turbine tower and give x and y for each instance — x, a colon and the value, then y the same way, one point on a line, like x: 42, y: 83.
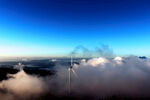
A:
x: 70, y: 70
x: 19, y: 66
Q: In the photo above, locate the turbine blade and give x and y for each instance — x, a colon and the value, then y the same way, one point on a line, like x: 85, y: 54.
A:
x: 74, y: 73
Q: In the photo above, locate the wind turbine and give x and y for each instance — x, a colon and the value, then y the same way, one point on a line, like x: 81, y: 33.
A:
x: 70, y: 70
x: 19, y: 66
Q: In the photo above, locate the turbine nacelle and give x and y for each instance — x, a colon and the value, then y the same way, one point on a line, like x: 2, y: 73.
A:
x: 71, y: 67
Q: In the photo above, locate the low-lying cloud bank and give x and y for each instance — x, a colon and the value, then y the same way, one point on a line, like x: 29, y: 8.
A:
x: 22, y: 86
x: 119, y: 76
x: 96, y: 77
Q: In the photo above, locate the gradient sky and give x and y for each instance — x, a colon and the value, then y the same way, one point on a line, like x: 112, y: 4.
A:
x: 55, y: 27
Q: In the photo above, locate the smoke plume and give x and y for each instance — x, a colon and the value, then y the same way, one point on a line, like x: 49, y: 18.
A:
x: 103, y: 51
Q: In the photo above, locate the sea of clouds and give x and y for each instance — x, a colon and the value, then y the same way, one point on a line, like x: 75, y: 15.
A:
x: 96, y: 77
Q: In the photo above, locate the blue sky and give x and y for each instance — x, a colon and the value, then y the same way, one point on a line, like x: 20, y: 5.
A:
x: 55, y: 27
